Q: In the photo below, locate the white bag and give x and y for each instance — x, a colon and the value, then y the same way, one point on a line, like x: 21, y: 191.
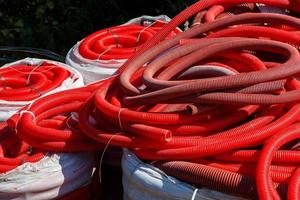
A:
x: 8, y: 108
x: 52, y: 177
x: 143, y: 181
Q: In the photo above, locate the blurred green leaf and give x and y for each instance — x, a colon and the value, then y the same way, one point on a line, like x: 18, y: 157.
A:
x: 50, y: 4
x: 19, y: 23
x: 40, y: 11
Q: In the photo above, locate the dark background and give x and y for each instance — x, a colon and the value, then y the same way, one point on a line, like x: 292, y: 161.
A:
x: 57, y: 25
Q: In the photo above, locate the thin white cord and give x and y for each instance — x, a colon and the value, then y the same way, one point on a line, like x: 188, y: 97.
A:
x: 101, y: 54
x: 140, y: 33
x: 21, y: 113
x: 107, y: 144
x: 102, y: 155
x: 31, y: 72
x: 119, y: 119
x: 194, y: 194
x: 15, y: 69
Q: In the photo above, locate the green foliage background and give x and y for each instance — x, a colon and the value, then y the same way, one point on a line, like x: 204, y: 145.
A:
x: 57, y: 25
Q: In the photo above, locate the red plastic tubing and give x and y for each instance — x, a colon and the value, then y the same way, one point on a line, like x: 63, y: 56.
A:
x: 155, y: 101
x: 25, y: 83
x: 13, y: 151
x: 50, y: 123
x: 217, y: 105
x: 119, y: 42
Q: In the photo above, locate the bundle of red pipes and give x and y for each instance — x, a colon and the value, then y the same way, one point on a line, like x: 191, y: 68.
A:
x: 21, y: 82
x: 13, y: 151
x: 119, y: 42
x: 25, y: 83
x: 101, y: 53
x: 218, y: 104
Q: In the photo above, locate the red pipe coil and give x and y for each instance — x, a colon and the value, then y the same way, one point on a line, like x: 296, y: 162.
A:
x: 263, y: 181
x: 215, y: 178
x: 119, y: 42
x: 294, y: 186
x: 163, y: 88
x: 25, y: 83
x: 13, y: 151
x: 48, y: 124
x: 220, y: 95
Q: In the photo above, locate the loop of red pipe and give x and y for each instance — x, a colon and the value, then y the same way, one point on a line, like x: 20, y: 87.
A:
x: 14, y: 152
x: 263, y: 181
x: 143, y: 55
x: 119, y: 42
x: 221, y: 95
x: 24, y: 83
x: 48, y: 124
x: 146, y: 93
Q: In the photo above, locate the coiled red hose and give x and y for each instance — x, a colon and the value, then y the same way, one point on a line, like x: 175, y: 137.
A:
x: 247, y: 156
x: 142, y: 55
x: 294, y: 186
x: 263, y: 181
x: 47, y: 123
x: 14, y: 152
x: 220, y: 96
x: 141, y: 109
x: 119, y: 42
x: 25, y: 83
x: 215, y: 178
